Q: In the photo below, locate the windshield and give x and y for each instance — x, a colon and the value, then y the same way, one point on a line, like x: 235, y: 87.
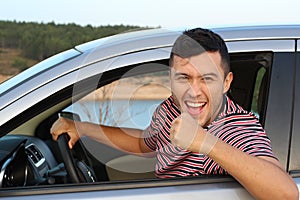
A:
x: 38, y: 68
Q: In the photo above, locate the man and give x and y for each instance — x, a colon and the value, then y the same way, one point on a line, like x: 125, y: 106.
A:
x: 199, y: 130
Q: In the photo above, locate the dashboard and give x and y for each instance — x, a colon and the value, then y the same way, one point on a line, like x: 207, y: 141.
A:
x: 26, y: 160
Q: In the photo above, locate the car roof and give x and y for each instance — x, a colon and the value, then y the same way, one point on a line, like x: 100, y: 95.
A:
x: 127, y: 37
x: 259, y: 32
x: 228, y: 34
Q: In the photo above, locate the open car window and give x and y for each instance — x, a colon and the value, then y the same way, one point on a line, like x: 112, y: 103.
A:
x: 131, y: 100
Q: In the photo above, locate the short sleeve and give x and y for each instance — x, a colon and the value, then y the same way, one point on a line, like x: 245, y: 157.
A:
x: 150, y: 133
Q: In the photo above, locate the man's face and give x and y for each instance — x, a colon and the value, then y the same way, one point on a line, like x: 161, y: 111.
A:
x: 198, y: 85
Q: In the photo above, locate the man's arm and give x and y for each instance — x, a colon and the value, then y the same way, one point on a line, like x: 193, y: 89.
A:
x: 125, y: 139
x: 262, y: 176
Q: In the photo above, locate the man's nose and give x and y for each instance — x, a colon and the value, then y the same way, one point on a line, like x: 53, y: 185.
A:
x: 196, y: 89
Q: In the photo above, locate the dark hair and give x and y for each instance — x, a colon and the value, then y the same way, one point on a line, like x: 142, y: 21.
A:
x: 196, y: 41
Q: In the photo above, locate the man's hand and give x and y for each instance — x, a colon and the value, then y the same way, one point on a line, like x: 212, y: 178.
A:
x: 186, y: 133
x: 63, y: 125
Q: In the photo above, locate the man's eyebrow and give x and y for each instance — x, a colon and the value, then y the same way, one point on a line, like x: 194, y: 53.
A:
x: 210, y: 74
x: 180, y: 73
x: 203, y: 75
x: 176, y: 74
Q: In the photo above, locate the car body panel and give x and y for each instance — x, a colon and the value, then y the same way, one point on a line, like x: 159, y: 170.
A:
x: 295, y: 159
x: 109, y: 54
x: 281, y: 85
x: 162, y: 193
x: 259, y: 32
x: 261, y: 45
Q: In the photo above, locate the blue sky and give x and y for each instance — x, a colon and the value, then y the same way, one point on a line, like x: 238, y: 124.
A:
x: 153, y: 13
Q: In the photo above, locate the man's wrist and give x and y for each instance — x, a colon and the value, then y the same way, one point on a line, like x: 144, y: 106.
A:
x: 208, y: 143
x: 80, y: 126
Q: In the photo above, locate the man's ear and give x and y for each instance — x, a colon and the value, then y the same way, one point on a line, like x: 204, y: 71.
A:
x: 227, y: 82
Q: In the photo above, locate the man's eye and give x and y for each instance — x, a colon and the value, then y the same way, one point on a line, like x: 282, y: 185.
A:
x: 182, y: 78
x: 207, y: 79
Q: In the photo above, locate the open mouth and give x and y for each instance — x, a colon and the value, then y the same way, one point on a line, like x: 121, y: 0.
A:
x: 195, y: 108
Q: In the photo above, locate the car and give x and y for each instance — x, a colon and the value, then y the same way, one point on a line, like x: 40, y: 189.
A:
x: 118, y: 81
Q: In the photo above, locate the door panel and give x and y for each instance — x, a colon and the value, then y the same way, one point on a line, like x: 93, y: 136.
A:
x: 279, y: 106
x: 294, y: 165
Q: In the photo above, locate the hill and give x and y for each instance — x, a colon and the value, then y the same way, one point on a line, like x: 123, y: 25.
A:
x: 22, y: 44
x: 12, y: 62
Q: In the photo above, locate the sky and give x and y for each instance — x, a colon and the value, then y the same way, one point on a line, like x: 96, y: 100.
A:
x: 153, y: 13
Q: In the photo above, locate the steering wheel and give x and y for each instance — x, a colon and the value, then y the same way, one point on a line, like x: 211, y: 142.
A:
x: 76, y: 161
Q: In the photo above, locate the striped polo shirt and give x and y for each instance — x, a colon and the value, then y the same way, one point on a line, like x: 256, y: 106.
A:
x: 233, y: 125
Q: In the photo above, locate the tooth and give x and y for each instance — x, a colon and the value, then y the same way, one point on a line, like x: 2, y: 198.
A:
x: 195, y: 104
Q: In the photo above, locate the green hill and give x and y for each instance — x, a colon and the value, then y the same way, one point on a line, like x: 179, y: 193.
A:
x: 22, y: 44
x: 12, y: 62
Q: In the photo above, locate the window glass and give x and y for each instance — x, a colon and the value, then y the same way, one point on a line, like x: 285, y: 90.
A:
x: 250, y: 80
x: 257, y: 89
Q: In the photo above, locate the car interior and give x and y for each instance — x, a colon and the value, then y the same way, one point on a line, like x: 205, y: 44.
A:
x: 29, y: 156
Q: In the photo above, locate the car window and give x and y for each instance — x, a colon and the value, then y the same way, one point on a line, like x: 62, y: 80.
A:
x: 251, y: 79
x: 259, y: 90
x: 131, y: 100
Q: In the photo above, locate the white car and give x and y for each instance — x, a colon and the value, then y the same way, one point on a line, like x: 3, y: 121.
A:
x: 118, y: 81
